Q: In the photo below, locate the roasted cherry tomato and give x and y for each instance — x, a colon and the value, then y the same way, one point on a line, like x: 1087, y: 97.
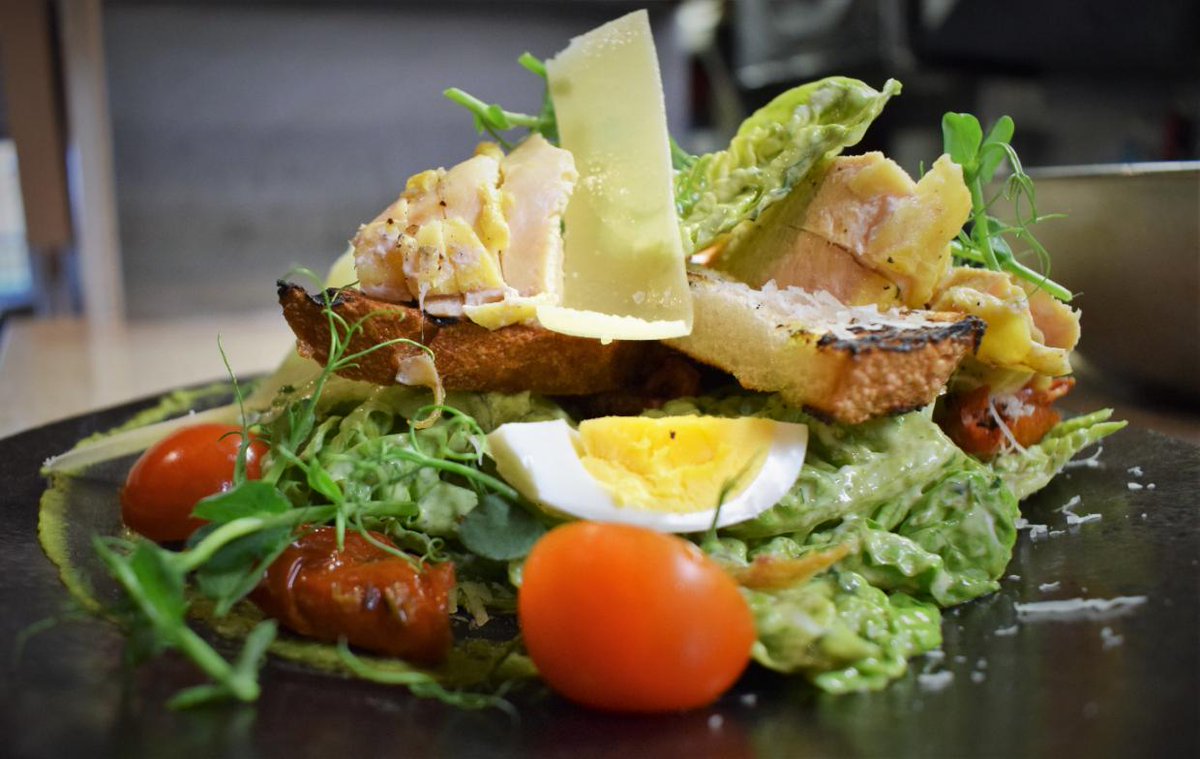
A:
x: 178, y: 472
x: 373, y: 598
x: 967, y: 420
x: 626, y: 619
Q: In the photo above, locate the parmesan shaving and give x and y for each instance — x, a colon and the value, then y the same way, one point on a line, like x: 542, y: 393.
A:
x: 1013, y: 445
x: 1068, y: 510
x: 936, y: 681
x: 1091, y: 462
x: 1078, y: 608
x: 821, y: 313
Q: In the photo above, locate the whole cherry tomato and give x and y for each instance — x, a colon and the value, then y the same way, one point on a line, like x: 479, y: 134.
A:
x: 626, y: 619
x: 179, y: 471
x: 374, y: 599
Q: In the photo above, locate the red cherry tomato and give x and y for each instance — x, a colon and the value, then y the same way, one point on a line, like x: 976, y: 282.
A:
x: 967, y: 421
x: 374, y: 599
x: 179, y: 471
x: 626, y: 619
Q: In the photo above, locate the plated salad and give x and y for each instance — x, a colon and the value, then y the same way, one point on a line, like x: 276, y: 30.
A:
x: 590, y: 410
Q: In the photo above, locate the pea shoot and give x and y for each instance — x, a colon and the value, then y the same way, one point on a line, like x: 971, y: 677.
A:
x: 319, y: 473
x: 493, y: 119
x: 984, y: 243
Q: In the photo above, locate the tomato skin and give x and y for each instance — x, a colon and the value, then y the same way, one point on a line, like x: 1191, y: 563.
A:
x: 376, y: 600
x: 623, y: 618
x: 176, y: 473
x: 965, y: 418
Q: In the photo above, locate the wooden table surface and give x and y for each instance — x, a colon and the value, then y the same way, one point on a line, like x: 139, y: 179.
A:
x: 52, y: 369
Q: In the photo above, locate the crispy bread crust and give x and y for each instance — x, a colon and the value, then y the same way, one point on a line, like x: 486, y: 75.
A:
x: 468, y: 357
x: 890, y: 372
x: 848, y: 378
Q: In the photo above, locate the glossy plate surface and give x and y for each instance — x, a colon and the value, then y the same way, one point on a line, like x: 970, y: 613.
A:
x: 1117, y: 684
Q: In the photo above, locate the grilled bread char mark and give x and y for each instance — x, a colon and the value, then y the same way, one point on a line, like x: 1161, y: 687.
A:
x: 469, y: 357
x: 844, y: 363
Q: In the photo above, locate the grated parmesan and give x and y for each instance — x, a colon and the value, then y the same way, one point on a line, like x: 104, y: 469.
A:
x: 1009, y: 439
x: 1110, y: 639
x: 1068, y: 510
x: 936, y: 681
x: 820, y: 312
x: 1078, y: 608
x: 1091, y: 462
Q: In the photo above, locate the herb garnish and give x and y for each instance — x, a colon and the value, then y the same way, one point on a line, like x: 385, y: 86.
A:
x: 493, y: 119
x: 253, y: 523
x: 984, y: 242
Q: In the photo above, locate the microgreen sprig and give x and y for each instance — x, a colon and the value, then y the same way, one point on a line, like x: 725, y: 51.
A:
x: 251, y: 524
x: 984, y: 242
x: 494, y: 119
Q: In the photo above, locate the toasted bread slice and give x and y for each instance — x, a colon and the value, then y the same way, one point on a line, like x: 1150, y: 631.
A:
x: 842, y: 362
x: 467, y: 356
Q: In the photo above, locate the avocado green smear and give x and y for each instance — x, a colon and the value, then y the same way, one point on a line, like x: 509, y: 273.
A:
x: 53, y: 522
x: 773, y: 150
x: 854, y: 636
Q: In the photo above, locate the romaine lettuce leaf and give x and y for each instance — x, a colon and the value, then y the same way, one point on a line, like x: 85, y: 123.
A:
x: 1027, y: 472
x: 771, y: 153
x: 925, y: 524
x: 841, y: 632
x: 952, y: 547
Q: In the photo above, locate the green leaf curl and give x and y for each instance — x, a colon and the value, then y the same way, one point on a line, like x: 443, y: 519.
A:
x: 961, y: 138
x: 499, y: 530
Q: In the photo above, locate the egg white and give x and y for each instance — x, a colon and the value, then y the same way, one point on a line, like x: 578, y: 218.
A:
x: 540, y: 460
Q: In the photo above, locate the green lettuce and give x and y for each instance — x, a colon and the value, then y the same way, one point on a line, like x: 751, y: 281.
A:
x: 771, y: 153
x: 842, y: 632
x: 1026, y: 472
x: 365, y: 443
x: 925, y: 526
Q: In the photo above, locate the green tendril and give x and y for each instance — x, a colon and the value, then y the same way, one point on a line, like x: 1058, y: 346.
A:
x: 984, y: 243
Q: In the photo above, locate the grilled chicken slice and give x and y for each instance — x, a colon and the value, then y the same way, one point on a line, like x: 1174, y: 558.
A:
x: 1028, y: 330
x: 485, y: 231
x: 887, y: 229
x: 841, y: 362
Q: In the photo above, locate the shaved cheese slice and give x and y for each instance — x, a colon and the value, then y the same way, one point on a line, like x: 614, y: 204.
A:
x: 623, y: 255
x: 608, y: 327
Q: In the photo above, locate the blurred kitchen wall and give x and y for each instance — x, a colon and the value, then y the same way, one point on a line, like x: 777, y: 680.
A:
x: 250, y: 138
x: 254, y: 136
x: 1101, y: 81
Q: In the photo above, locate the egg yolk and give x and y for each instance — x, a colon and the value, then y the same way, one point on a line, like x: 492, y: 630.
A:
x: 674, y: 464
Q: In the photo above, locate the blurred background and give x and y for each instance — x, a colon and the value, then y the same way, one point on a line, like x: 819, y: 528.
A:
x: 165, y: 162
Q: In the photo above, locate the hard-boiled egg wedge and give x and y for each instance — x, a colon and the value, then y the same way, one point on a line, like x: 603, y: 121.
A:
x: 667, y: 474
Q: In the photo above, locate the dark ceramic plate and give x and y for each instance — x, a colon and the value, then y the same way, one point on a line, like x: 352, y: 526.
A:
x: 1121, y: 684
